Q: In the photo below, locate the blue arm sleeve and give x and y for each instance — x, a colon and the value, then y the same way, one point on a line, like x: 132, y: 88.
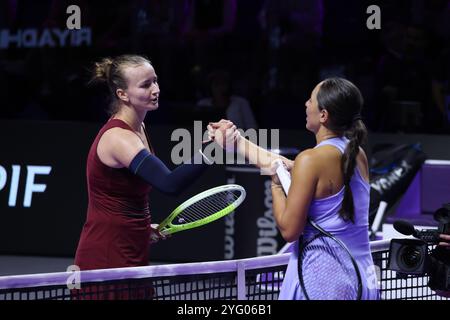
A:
x: 154, y: 171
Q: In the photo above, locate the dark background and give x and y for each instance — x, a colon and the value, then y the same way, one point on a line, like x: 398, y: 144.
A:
x: 275, y: 53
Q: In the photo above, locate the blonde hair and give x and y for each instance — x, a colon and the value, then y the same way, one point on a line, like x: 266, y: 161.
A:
x: 111, y: 72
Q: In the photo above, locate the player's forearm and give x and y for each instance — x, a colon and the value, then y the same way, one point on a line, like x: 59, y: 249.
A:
x: 152, y: 170
x: 256, y: 155
x: 278, y: 203
x: 286, y: 228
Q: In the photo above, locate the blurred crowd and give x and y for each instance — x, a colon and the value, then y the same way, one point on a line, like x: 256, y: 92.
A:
x: 254, y: 61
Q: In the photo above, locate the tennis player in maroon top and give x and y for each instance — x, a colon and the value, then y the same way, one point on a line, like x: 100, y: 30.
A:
x: 122, y: 168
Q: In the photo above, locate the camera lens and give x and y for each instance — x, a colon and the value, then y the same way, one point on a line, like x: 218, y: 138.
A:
x: 410, y: 257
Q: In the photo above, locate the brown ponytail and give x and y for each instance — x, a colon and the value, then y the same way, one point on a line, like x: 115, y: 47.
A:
x: 343, y: 101
x: 357, y: 135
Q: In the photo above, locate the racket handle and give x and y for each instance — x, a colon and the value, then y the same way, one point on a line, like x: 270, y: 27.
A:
x: 283, y: 175
x: 164, y: 232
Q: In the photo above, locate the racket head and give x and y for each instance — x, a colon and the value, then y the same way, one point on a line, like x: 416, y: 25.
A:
x: 327, y: 271
x: 203, y: 208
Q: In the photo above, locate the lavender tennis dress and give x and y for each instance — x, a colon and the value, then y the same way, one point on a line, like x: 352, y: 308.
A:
x: 355, y: 236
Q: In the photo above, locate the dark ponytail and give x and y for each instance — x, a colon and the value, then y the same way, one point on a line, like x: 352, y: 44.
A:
x: 357, y: 135
x: 343, y: 101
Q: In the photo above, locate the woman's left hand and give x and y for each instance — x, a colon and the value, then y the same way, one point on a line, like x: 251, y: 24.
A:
x: 272, y: 171
x: 288, y: 164
x: 155, y: 235
x: 275, y: 180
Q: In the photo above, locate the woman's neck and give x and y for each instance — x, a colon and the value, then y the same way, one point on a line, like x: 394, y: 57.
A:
x: 325, y: 134
x: 131, y: 117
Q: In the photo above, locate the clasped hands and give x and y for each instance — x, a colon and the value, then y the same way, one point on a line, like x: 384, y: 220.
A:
x: 227, y: 136
x: 224, y: 133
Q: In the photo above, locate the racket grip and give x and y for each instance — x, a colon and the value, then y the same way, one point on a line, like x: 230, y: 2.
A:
x: 164, y: 232
x: 283, y: 175
x: 162, y: 229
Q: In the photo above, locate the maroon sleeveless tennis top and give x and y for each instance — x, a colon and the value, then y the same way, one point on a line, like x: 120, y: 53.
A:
x: 117, y: 228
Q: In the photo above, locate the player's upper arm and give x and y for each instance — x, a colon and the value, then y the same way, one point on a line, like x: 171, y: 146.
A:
x: 301, y: 193
x: 117, y: 147
x: 363, y: 164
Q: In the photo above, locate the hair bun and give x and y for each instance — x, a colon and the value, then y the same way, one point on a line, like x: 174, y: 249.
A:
x: 102, y: 70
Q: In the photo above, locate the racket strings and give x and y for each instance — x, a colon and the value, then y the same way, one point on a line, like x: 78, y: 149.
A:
x: 327, y: 271
x: 199, y: 210
x: 207, y: 207
x: 202, y: 209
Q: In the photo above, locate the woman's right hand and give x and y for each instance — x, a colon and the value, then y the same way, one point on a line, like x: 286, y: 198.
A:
x: 224, y: 133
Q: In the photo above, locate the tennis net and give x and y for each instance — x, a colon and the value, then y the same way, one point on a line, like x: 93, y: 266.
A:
x: 245, y: 279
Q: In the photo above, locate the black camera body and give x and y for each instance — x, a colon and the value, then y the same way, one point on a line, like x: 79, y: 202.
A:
x: 413, y: 257
x: 408, y: 256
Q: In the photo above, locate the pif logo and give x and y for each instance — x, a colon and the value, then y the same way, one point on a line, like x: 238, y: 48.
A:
x: 30, y: 185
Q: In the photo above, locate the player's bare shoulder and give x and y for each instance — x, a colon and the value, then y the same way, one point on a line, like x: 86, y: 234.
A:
x: 117, y: 138
x: 363, y: 164
x: 306, y: 159
x: 305, y: 155
x: 117, y: 147
x: 326, y: 154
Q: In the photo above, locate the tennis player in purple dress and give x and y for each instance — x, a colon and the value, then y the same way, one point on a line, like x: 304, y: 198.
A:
x: 330, y: 186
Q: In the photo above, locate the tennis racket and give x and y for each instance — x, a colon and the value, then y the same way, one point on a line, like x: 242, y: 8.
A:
x: 326, y: 269
x: 203, y: 208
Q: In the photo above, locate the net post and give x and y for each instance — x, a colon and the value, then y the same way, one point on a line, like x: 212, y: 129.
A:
x: 241, y: 291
